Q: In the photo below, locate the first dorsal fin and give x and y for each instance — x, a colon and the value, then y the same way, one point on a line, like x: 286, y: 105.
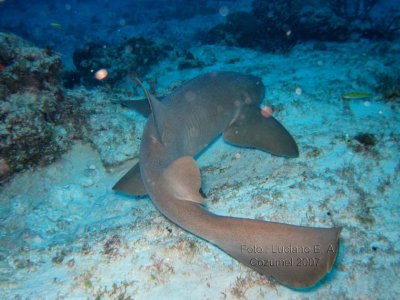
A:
x: 157, y: 108
x: 183, y: 179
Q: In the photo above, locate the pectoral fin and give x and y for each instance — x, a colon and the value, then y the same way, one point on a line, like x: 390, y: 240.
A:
x: 251, y: 129
x: 131, y: 183
x: 183, y: 179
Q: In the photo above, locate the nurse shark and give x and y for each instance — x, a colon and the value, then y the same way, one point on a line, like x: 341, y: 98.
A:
x: 179, y: 128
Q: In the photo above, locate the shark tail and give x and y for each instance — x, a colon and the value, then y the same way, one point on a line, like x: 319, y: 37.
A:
x: 295, y: 256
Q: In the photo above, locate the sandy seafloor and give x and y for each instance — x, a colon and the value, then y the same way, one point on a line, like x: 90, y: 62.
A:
x: 69, y: 236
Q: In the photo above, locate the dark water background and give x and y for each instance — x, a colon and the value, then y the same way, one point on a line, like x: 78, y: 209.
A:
x: 67, y: 25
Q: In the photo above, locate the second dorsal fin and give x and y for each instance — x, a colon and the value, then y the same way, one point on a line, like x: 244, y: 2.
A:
x: 157, y: 108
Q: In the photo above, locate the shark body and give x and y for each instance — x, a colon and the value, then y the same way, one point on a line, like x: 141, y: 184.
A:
x: 186, y: 122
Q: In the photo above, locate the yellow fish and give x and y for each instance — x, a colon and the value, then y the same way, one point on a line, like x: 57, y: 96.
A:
x: 356, y: 95
x: 56, y: 25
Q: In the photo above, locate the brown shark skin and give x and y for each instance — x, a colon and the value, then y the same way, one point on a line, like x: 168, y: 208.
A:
x: 194, y: 116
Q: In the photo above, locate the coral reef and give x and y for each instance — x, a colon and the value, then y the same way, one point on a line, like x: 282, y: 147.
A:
x: 358, y: 14
x: 30, y: 131
x: 274, y: 26
x: 383, y: 29
x: 132, y: 57
x: 30, y: 101
x: 389, y: 86
x: 277, y: 26
x: 320, y: 24
x: 39, y: 121
x: 26, y: 66
x: 353, y: 9
x: 244, y: 29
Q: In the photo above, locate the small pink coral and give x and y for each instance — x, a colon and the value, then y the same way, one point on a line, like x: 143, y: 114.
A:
x: 266, y: 111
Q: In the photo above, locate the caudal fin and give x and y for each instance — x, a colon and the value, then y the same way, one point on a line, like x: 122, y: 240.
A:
x: 295, y: 256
